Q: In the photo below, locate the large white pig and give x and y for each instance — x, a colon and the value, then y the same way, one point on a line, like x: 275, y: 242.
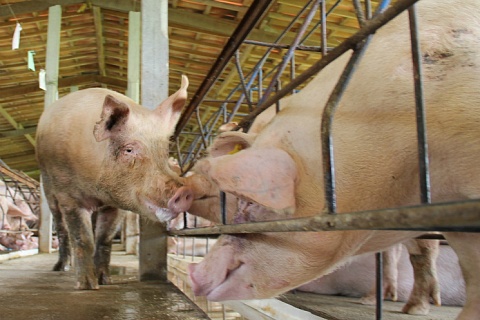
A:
x: 99, y: 151
x: 374, y: 138
x: 355, y: 278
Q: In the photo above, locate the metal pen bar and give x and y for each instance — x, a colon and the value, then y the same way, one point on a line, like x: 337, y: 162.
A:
x: 359, y: 12
x: 423, y: 162
x: 452, y: 216
x: 323, y: 28
x: 326, y: 127
x: 223, y: 207
x: 370, y: 27
x: 291, y: 50
x: 200, y: 126
x: 255, y: 11
x: 379, y: 284
x: 242, y: 80
x: 283, y: 46
x: 322, y: 21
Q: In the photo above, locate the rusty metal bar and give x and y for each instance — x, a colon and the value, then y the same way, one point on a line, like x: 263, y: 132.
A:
x: 370, y: 27
x: 461, y: 216
x: 252, y: 16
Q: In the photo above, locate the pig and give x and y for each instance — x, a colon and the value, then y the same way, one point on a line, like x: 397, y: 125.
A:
x: 354, y: 278
x: 375, y: 148
x: 14, y: 218
x: 99, y: 151
x: 423, y: 255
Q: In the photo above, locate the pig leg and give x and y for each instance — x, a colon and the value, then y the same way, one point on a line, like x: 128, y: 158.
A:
x: 467, y: 248
x: 79, y: 225
x: 390, y: 276
x: 107, y: 223
x: 425, y: 284
x: 63, y: 263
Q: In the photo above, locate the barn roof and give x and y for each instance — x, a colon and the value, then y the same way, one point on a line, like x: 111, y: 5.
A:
x: 94, y: 53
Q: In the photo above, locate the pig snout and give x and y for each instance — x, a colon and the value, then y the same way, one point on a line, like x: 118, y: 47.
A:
x: 181, y: 200
x: 195, y: 282
x: 222, y: 278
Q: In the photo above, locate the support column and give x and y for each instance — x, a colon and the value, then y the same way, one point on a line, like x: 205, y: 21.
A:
x: 153, y: 237
x: 131, y: 222
x: 133, y: 87
x: 51, y: 66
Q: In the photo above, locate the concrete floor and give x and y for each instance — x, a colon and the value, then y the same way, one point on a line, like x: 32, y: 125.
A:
x: 29, y: 290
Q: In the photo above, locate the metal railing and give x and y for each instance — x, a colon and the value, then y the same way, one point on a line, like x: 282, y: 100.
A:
x: 454, y: 216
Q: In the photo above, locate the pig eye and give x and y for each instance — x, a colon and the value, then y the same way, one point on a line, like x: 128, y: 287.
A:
x: 128, y: 150
x: 249, y: 204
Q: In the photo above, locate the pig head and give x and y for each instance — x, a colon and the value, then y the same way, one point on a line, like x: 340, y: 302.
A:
x: 101, y: 148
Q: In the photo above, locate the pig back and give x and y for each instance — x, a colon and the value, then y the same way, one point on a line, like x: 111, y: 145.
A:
x: 374, y: 128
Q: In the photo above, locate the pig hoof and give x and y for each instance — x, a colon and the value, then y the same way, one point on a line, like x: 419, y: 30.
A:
x: 61, y: 266
x: 104, y: 279
x: 416, y: 309
x: 368, y: 300
x: 87, y: 285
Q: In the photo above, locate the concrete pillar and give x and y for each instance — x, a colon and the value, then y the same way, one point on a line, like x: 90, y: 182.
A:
x: 153, y: 238
x: 131, y: 222
x: 51, y: 94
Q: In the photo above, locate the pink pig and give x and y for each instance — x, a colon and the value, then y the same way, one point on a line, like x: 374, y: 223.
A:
x: 374, y: 138
x: 99, y: 151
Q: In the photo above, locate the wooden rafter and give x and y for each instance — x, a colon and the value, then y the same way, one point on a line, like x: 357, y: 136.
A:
x: 97, y: 18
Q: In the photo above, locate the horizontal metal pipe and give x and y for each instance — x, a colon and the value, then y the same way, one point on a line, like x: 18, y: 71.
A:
x: 451, y: 216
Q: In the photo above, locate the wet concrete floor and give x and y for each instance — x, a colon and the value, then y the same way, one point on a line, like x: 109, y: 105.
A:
x: 29, y: 290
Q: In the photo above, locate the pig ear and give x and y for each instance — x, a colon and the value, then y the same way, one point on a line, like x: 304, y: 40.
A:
x: 230, y: 142
x: 114, y: 115
x: 266, y: 176
x: 170, y: 109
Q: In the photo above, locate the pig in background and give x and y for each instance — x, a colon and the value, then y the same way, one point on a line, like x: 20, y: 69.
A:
x: 189, y: 246
x: 357, y: 276
x: 376, y: 159
x: 99, y: 151
x: 15, y: 214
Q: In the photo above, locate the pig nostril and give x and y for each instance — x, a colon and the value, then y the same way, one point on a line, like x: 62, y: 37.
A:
x: 188, y: 197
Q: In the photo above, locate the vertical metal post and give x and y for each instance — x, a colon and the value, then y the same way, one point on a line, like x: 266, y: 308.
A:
x: 51, y: 94
x: 153, y: 236
x: 425, y: 196
x: 131, y: 221
x: 223, y: 207
x: 379, y: 285
x: 326, y: 127
x: 323, y: 28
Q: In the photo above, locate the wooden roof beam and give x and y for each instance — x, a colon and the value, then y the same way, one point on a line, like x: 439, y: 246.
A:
x: 16, y: 125
x: 65, y: 82
x: 98, y: 21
